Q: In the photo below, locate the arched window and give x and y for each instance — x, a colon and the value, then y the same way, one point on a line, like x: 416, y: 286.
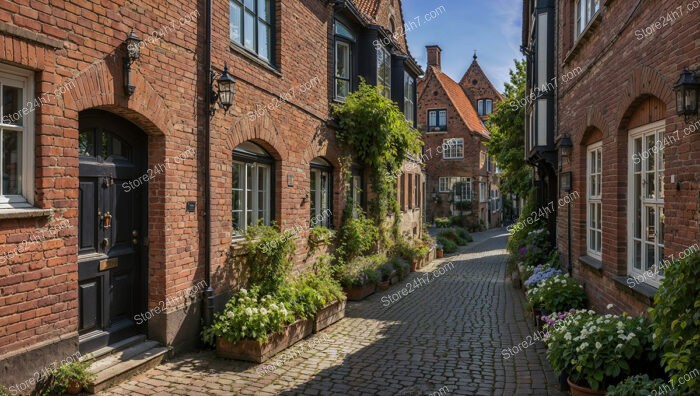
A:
x: 320, y: 192
x: 252, y: 191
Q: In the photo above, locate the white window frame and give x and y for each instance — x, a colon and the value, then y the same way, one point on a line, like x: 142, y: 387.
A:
x: 484, y: 107
x: 384, y: 64
x: 20, y: 78
x: 467, y: 192
x: 438, y: 115
x: 409, y: 107
x: 444, y: 184
x: 642, y: 202
x: 321, y: 215
x: 594, y: 200
x: 453, y: 148
x: 586, y: 11
x: 482, y: 192
x: 254, y: 206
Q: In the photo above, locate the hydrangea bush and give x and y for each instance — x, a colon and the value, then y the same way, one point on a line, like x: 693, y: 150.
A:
x: 598, y: 350
x: 249, y: 316
x: 640, y: 385
x: 541, y: 273
x: 557, y: 293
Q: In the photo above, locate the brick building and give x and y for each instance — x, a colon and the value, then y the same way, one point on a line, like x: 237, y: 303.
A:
x: 109, y: 231
x: 461, y: 177
x: 635, y: 162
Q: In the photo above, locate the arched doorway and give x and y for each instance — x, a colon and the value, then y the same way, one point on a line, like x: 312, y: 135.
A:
x: 112, y: 222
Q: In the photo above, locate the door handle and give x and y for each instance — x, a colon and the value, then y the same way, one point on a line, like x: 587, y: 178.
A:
x: 106, y: 219
x: 135, y: 239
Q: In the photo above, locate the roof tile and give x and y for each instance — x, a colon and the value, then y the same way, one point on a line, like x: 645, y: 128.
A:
x: 461, y: 103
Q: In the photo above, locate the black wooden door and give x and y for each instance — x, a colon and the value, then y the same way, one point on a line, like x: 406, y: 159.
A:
x: 112, y: 222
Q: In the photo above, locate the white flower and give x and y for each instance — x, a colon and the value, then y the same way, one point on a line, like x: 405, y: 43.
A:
x: 249, y: 312
x: 610, y: 306
x: 273, y: 306
x: 229, y: 315
x: 263, y: 311
x: 598, y: 345
x: 244, y: 291
x: 567, y: 336
x: 284, y: 311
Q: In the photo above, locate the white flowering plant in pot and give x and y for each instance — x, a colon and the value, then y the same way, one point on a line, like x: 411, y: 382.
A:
x: 598, y: 350
x: 556, y: 294
x: 248, y: 315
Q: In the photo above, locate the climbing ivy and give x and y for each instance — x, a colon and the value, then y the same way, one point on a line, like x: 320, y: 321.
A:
x: 376, y: 132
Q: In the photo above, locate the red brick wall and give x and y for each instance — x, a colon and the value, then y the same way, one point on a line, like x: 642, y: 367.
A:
x: 624, y: 82
x: 432, y: 96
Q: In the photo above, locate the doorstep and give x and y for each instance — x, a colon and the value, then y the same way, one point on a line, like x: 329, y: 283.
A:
x: 118, y: 362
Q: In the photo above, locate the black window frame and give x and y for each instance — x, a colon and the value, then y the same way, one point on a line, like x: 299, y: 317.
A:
x: 247, y: 157
x: 272, y: 24
x: 329, y: 170
x: 438, y: 126
x: 352, y: 43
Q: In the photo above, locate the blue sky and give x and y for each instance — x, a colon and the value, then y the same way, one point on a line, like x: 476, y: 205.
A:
x: 492, y: 27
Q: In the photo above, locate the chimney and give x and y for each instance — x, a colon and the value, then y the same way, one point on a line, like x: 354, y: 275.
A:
x: 434, y: 58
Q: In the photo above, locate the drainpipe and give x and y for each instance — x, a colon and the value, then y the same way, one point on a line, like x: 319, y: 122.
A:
x: 208, y: 308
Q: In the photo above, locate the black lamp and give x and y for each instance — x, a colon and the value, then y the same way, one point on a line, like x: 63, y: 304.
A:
x: 565, y: 146
x: 686, y: 90
x: 225, y: 91
x: 133, y: 52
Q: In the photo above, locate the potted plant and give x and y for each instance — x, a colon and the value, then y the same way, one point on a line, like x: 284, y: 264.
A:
x: 387, y: 271
x: 70, y: 378
x: 360, y: 276
x: 439, y: 252
x: 402, y: 268
x: 639, y: 385
x: 251, y: 327
x: 555, y: 294
x: 332, y: 300
x: 596, y: 351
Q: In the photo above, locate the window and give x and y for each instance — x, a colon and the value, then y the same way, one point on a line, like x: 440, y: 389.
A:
x: 645, y: 227
x: 437, y: 120
x: 444, y: 184
x: 402, y: 191
x: 409, y: 107
x: 416, y: 191
x: 482, y: 192
x: 344, y: 39
x: 16, y: 139
x: 495, y: 201
x: 252, y: 186
x: 354, y: 188
x: 594, y: 213
x: 320, y: 192
x: 585, y: 11
x: 484, y: 106
x: 384, y: 71
x: 453, y: 148
x: 251, y: 26
x: 464, y: 190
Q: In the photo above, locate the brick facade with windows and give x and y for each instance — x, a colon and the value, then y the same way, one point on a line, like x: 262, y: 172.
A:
x: 455, y: 137
x: 616, y: 92
x: 279, y: 129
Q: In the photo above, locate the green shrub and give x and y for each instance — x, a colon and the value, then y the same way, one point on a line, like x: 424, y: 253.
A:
x: 638, y: 385
x: 319, y: 235
x: 63, y: 376
x: 597, y: 350
x: 357, y: 237
x: 447, y: 245
x: 557, y: 294
x: 453, y: 236
x: 410, y: 250
x: 401, y: 266
x: 249, y: 315
x: 4, y: 391
x: 442, y: 222
x: 268, y: 257
x: 464, y: 234
x: 676, y: 318
x: 459, y: 221
x: 361, y: 271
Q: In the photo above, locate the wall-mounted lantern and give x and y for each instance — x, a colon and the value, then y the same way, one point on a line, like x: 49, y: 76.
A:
x: 133, y: 52
x: 224, y: 92
x: 435, y: 196
x: 687, y: 94
x: 565, y: 146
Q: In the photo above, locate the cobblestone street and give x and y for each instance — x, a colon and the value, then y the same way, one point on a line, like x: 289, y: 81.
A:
x: 445, y: 337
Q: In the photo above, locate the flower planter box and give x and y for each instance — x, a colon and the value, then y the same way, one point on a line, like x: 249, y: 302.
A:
x: 299, y: 330
x: 440, y: 253
x: 252, y: 350
x: 414, y: 265
x: 395, y: 278
x: 384, y: 285
x: 329, y: 314
x: 358, y: 293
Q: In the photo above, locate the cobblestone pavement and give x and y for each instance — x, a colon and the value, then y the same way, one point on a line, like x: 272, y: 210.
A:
x: 445, y: 337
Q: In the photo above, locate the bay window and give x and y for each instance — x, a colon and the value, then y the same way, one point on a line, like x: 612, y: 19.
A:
x: 320, y: 193
x: 645, y: 227
x: 16, y: 138
x: 252, y: 190
x: 344, y: 40
x: 594, y: 194
x: 251, y: 26
x: 384, y: 71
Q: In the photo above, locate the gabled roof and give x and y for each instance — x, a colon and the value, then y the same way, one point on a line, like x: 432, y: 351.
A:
x: 477, y: 70
x: 460, y: 101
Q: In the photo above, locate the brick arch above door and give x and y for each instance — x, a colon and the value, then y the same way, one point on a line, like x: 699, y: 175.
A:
x: 100, y: 86
x: 262, y: 131
x: 644, y: 83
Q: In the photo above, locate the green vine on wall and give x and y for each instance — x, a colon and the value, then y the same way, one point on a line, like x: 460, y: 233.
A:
x: 376, y: 131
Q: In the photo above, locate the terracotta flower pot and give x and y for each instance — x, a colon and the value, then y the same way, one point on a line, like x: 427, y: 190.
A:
x: 414, y: 266
x: 440, y: 253
x: 581, y: 391
x: 74, y: 388
x: 358, y: 293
